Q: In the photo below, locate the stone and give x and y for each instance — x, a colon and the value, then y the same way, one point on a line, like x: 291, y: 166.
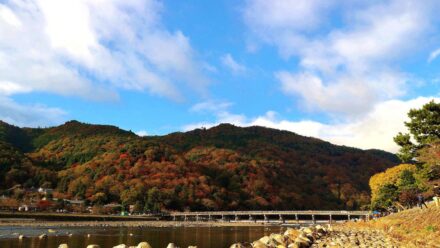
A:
x: 258, y: 244
x: 93, y: 246
x: 278, y: 238
x: 302, y: 242
x: 307, y: 230
x: 63, y: 246
x: 265, y: 240
x: 170, y: 245
x: 21, y: 237
x: 144, y: 245
x: 121, y: 246
x: 42, y: 236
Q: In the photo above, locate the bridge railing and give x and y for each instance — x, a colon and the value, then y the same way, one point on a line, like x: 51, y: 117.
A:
x: 299, y: 212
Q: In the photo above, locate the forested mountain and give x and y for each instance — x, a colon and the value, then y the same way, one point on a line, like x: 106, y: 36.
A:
x: 224, y: 167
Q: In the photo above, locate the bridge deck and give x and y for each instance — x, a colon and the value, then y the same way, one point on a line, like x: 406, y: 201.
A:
x: 247, y: 213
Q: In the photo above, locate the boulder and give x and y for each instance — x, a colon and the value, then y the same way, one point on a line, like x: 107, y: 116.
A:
x: 236, y: 245
x: 21, y: 237
x: 241, y: 245
x: 121, y: 246
x: 143, y: 245
x: 290, y: 235
x: 277, y: 238
x: 63, y: 246
x: 171, y: 245
x: 320, y: 229
x: 259, y: 244
x: 302, y: 242
x: 265, y: 240
x: 307, y: 230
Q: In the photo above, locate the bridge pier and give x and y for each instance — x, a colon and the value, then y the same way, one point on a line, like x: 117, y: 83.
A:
x: 282, y: 219
x: 255, y: 216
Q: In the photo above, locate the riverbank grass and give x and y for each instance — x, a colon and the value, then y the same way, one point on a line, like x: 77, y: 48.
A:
x: 411, y: 228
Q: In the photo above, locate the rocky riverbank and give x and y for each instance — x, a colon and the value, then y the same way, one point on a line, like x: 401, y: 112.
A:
x: 307, y: 237
x: 140, y: 245
x: 320, y: 236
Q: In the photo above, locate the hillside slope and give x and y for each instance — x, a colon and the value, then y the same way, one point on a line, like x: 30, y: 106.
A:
x: 225, y: 167
x: 411, y: 228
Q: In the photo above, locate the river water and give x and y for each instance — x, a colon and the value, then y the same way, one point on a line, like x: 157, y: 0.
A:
x: 157, y: 237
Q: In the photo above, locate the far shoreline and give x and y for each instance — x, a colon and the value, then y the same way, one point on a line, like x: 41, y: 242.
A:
x: 61, y: 224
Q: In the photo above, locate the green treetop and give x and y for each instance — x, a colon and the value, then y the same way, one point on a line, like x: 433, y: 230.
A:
x: 424, y: 128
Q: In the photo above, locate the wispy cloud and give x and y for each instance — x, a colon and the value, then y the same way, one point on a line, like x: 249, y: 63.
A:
x: 29, y: 115
x: 433, y: 55
x: 211, y: 106
x: 228, y: 61
x: 346, y: 68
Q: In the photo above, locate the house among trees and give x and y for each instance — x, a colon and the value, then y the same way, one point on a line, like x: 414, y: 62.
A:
x: 45, y: 191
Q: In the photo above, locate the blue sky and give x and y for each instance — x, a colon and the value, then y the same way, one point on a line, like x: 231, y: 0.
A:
x: 343, y: 71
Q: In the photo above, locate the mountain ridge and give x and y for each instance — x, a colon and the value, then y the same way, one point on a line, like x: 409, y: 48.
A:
x: 223, y: 167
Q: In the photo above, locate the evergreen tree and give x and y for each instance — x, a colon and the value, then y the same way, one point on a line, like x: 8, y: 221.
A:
x: 424, y: 128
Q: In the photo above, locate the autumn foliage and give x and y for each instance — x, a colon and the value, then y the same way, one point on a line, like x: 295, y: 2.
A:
x: 225, y: 167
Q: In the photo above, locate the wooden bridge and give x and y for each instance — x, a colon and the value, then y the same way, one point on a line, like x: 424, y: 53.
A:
x: 270, y: 216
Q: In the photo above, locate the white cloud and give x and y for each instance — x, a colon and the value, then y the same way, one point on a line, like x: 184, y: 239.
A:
x: 211, y: 106
x: 9, y: 17
x: 373, y: 130
x: 232, y: 64
x: 433, y: 55
x: 349, y: 66
x: 349, y: 95
x: 142, y: 133
x: 10, y: 88
x: 91, y: 48
x: 288, y: 15
x: 29, y: 115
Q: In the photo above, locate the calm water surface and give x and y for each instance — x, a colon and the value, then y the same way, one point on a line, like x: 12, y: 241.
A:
x: 202, y: 237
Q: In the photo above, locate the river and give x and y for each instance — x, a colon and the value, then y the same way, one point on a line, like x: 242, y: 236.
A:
x: 158, y: 237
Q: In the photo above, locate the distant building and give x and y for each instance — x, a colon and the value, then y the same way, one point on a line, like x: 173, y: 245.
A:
x: 45, y: 191
x: 75, y: 202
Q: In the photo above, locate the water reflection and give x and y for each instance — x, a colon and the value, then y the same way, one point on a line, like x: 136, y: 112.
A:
x: 210, y: 237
